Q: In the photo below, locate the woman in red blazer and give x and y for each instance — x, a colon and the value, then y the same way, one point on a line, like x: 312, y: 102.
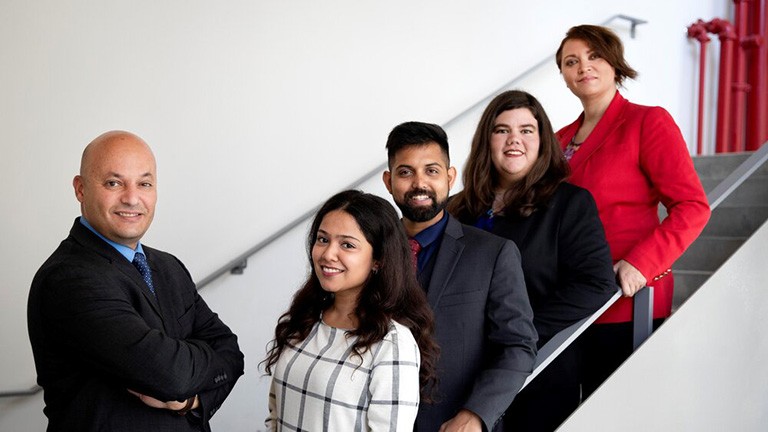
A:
x: 631, y: 158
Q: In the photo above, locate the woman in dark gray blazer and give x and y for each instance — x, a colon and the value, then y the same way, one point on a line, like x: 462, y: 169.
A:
x: 514, y: 186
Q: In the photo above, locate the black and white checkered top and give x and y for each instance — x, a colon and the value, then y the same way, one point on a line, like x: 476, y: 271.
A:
x: 320, y: 385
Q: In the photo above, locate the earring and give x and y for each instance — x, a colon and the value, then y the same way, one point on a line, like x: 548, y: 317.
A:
x: 375, y: 270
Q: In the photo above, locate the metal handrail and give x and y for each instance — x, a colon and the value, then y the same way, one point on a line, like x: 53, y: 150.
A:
x: 238, y: 265
x: 738, y: 176
x: 642, y: 316
x: 562, y: 339
x: 642, y: 326
x: 16, y: 393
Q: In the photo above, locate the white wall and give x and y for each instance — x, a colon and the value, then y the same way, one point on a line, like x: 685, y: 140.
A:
x: 258, y: 111
x: 704, y: 369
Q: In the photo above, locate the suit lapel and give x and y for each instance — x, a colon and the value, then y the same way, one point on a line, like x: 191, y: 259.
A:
x: 609, y: 122
x: 161, y: 298
x: 131, y: 271
x: 451, y: 248
x: 92, y: 242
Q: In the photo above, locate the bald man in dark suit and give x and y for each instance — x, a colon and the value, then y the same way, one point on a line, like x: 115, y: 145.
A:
x: 122, y: 341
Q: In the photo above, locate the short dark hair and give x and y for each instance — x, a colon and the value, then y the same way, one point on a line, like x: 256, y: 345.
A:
x: 416, y: 134
x: 481, y: 178
x: 605, y: 43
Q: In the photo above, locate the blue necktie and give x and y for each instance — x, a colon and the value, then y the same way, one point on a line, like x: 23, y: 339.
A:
x: 140, y: 261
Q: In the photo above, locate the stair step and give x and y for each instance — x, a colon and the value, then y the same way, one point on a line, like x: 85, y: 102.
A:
x: 755, y: 180
x: 736, y: 221
x: 754, y: 191
x: 722, y: 165
x: 708, y: 253
x: 686, y: 283
x: 731, y: 223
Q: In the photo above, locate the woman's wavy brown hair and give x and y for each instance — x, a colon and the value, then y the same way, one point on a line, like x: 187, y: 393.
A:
x: 481, y: 178
x: 392, y: 293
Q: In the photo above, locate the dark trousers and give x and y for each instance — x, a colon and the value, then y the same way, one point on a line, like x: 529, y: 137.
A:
x: 550, y: 398
x: 604, y: 349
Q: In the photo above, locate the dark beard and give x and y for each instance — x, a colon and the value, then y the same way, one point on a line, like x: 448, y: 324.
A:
x: 421, y: 213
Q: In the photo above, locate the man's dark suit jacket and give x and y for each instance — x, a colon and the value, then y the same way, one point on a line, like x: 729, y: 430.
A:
x: 483, y: 324
x: 97, y: 330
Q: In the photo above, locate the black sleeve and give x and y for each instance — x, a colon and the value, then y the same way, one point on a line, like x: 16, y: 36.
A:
x: 584, y: 272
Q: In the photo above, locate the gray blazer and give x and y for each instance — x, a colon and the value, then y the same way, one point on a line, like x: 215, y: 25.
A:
x: 484, y: 326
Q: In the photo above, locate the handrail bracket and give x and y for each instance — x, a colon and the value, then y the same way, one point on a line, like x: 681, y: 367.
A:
x: 239, y: 268
x: 634, y: 22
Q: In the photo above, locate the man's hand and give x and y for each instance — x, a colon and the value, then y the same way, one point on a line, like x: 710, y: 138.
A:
x: 170, y: 405
x: 630, y: 278
x: 464, y: 421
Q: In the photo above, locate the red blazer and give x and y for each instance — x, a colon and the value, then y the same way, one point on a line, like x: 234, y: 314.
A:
x: 635, y: 158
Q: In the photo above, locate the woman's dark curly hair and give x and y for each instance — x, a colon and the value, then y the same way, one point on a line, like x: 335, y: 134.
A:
x: 392, y: 293
x: 481, y: 178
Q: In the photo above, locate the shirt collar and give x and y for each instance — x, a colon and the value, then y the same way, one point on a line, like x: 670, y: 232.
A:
x: 429, y: 235
x: 124, y: 250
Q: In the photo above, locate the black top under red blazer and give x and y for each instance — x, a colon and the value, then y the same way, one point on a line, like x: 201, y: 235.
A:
x: 97, y: 330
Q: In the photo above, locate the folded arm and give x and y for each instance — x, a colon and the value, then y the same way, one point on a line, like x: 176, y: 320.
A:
x: 97, y: 316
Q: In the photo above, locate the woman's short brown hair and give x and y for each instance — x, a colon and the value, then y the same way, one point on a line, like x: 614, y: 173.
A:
x: 605, y: 43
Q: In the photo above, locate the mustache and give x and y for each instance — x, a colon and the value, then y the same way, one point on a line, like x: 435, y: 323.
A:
x: 413, y: 192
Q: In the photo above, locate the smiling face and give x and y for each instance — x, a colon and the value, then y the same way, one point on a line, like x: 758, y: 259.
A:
x: 586, y: 73
x: 420, y: 181
x: 117, y: 187
x: 341, y: 255
x: 514, y: 145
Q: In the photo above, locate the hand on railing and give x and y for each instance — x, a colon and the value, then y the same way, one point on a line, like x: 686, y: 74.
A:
x: 629, y: 278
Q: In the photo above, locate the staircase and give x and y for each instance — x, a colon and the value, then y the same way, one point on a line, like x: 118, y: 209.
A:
x: 732, y: 222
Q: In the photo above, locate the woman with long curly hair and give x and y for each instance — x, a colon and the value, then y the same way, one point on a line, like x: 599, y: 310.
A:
x: 514, y: 187
x: 355, y: 347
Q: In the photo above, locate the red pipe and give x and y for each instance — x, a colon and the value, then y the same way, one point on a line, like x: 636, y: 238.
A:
x: 757, y: 102
x: 727, y: 36
x: 739, y: 86
x: 698, y: 31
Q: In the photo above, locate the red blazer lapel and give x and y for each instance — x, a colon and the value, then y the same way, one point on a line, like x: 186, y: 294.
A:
x: 609, y: 122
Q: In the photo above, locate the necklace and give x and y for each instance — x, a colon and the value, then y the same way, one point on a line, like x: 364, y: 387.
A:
x: 571, y: 148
